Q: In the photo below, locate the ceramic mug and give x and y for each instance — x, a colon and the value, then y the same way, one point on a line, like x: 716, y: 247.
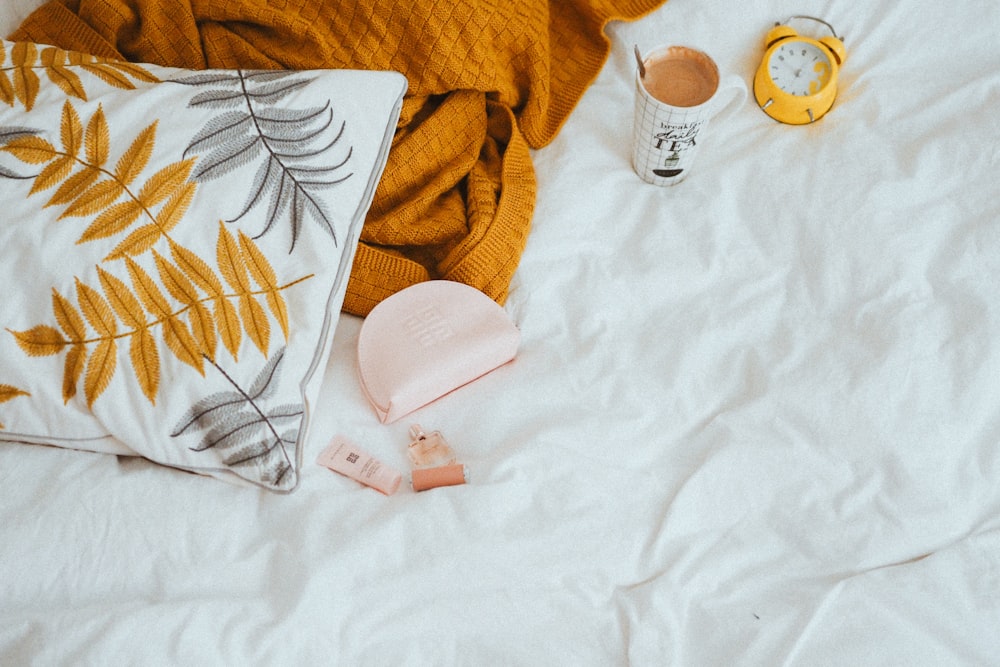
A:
x: 678, y: 90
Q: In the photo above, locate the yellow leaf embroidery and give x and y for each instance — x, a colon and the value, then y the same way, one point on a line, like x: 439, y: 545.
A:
x: 6, y: 87
x: 108, y: 75
x: 228, y: 323
x: 87, y: 193
x: 226, y: 319
x: 135, y: 159
x: 97, y: 139
x: 100, y: 370
x: 164, y: 182
x: 116, y: 74
x: 26, y: 82
x: 203, y: 328
x: 146, y: 363
x: 30, y: 149
x: 230, y: 261
x: 71, y: 130
x: 131, y: 69
x: 263, y: 274
x: 93, y: 200
x: 124, y: 303
x: 177, y: 284
x: 176, y: 335
x: 255, y: 322
x: 96, y: 310
x: 136, y: 243
x: 180, y: 341
x: 234, y: 272
x: 61, y: 68
x: 279, y: 309
x: 113, y: 221
x: 146, y: 289
x: 191, y: 332
x: 175, y: 208
x: 68, y: 80
x: 260, y: 268
x: 53, y: 173
x: 76, y: 361
x: 73, y: 187
x: 68, y: 318
x: 40, y: 341
x: 55, y: 62
x: 196, y: 269
x: 183, y: 290
x: 9, y: 393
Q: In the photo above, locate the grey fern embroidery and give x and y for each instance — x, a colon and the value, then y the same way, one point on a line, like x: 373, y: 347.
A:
x: 298, y: 152
x: 248, y: 432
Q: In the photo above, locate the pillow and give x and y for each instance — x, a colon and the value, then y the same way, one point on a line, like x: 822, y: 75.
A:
x: 174, y: 251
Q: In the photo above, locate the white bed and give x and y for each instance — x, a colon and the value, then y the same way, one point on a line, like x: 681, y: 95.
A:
x: 754, y: 418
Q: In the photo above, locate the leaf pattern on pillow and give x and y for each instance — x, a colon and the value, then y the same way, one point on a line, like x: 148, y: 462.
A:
x: 239, y: 296
x: 90, y: 188
x: 169, y: 295
x: 20, y: 83
x: 291, y: 147
x: 88, y: 331
x: 241, y: 424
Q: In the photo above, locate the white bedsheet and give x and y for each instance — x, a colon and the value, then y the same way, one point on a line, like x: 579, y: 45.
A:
x: 755, y: 418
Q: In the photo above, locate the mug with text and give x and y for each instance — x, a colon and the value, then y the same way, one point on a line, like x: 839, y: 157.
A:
x: 678, y: 90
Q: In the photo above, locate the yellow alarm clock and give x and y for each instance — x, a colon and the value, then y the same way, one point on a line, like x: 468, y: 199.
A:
x: 796, y: 82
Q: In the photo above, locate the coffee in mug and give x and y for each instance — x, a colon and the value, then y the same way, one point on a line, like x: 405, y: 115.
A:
x: 678, y: 90
x: 680, y: 76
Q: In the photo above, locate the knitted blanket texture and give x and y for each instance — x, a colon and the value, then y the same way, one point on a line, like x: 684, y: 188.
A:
x: 489, y: 80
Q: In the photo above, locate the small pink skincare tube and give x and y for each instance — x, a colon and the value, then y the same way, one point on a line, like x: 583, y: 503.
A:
x: 343, y: 456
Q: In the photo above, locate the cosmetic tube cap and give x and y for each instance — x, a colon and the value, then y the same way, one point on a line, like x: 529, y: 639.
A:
x: 431, y: 478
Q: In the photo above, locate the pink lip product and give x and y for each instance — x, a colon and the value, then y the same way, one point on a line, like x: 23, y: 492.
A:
x: 434, y: 463
x: 346, y: 458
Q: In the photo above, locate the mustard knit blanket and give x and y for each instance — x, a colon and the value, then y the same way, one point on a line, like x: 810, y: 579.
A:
x: 488, y: 81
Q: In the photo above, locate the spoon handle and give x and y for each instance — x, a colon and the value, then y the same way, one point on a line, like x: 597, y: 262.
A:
x: 638, y: 59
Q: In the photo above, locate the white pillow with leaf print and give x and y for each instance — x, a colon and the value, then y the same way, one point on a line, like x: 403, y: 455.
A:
x: 174, y: 252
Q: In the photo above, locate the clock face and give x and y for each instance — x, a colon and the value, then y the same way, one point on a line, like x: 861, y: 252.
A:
x: 799, y: 68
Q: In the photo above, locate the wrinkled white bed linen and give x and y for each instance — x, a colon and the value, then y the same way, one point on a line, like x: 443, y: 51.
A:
x: 755, y: 418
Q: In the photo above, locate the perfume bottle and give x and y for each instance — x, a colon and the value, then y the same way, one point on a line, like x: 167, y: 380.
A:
x: 433, y: 461
x: 429, y: 450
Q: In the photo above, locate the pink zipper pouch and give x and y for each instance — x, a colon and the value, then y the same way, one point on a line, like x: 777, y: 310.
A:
x: 428, y: 340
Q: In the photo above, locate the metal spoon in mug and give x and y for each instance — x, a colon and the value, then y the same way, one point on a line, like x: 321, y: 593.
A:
x: 638, y: 59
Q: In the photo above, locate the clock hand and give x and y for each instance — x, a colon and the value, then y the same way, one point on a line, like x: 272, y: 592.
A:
x: 795, y: 72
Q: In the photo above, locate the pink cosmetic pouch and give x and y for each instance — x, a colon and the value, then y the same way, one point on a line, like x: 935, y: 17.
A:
x: 427, y: 340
